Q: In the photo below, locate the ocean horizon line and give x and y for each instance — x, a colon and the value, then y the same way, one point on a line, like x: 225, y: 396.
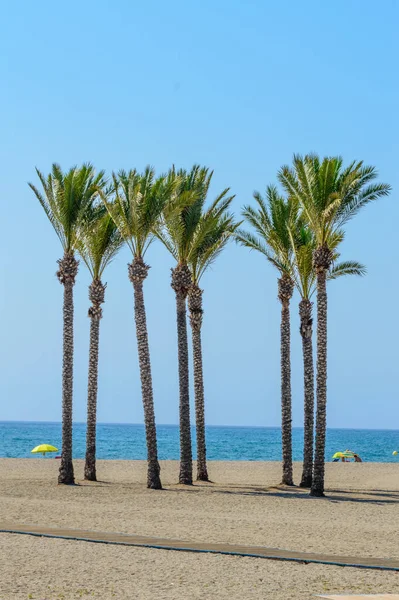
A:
x: 297, y: 427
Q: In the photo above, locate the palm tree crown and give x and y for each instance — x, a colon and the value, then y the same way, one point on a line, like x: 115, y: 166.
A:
x: 99, y: 242
x: 137, y: 206
x: 186, y: 225
x: 270, y: 221
x: 219, y: 226
x: 67, y: 197
x: 328, y: 193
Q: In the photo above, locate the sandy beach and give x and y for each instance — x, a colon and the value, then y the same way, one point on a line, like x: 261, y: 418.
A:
x: 244, y: 504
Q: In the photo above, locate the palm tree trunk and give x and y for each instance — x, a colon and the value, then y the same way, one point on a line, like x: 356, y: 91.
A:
x: 306, y: 329
x: 322, y: 261
x: 196, y: 312
x: 285, y: 293
x: 96, y: 295
x: 138, y: 271
x: 68, y: 268
x: 181, y: 282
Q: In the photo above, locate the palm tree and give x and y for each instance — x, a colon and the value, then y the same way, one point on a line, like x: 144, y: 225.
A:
x: 137, y: 206
x: 303, y: 244
x: 183, y: 229
x: 219, y: 225
x: 65, y: 199
x: 329, y: 195
x: 271, y: 220
x: 99, y: 243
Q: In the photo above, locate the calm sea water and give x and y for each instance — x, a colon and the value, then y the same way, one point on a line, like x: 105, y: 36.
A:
x: 223, y: 443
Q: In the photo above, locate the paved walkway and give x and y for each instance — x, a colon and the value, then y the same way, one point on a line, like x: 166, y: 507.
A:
x: 389, y: 564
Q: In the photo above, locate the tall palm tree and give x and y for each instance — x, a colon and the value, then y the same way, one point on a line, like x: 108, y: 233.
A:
x: 183, y: 229
x: 303, y: 244
x: 98, y: 245
x: 65, y: 199
x: 271, y: 220
x: 219, y: 225
x: 136, y: 209
x: 329, y: 195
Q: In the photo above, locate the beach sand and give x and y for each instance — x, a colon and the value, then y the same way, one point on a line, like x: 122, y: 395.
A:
x: 360, y: 517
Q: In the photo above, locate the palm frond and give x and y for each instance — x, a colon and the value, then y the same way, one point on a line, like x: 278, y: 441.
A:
x: 250, y: 241
x: 346, y: 268
x: 205, y: 250
x: 349, y: 208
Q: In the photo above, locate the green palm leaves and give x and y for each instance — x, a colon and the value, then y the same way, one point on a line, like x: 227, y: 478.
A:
x: 270, y: 221
x: 328, y: 193
x: 216, y: 225
x: 349, y: 267
x: 189, y: 229
x: 99, y: 241
x: 66, y: 197
x: 137, y: 205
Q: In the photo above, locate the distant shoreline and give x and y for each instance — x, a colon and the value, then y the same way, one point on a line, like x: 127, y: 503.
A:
x: 140, y: 461
x: 172, y: 425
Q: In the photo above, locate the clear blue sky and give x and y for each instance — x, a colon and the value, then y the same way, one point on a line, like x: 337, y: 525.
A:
x: 238, y: 86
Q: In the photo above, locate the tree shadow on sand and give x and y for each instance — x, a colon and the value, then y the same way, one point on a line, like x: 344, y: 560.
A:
x: 378, y: 497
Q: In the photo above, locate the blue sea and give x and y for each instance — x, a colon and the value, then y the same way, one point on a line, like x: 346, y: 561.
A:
x: 223, y: 443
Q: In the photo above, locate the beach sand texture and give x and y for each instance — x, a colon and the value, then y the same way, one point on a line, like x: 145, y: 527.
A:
x: 368, y: 597
x: 360, y: 517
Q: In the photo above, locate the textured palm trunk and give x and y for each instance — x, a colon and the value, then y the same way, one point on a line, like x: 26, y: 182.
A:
x: 285, y: 289
x: 96, y: 295
x: 68, y: 268
x: 138, y: 271
x: 306, y: 329
x: 181, y: 282
x: 196, y: 312
x: 322, y: 261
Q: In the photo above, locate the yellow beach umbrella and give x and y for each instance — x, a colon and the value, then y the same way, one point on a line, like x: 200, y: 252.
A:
x: 43, y: 448
x: 348, y: 454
